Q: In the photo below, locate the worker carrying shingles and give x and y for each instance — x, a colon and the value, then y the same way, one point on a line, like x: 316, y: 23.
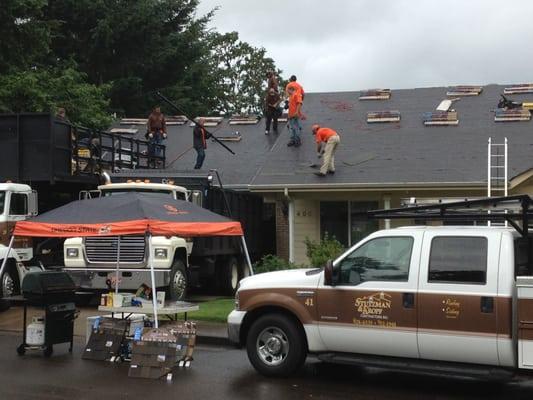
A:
x: 327, y: 141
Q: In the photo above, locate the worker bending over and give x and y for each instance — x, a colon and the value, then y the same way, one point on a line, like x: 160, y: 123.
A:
x: 327, y: 141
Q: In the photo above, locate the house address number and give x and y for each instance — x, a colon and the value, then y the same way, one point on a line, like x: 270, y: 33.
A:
x: 304, y: 213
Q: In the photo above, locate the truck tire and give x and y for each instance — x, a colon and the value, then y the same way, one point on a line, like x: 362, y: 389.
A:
x: 276, y: 345
x: 8, y: 281
x: 177, y: 288
x: 229, y: 275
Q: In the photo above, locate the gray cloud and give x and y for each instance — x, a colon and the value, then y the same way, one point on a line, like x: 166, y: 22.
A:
x: 349, y: 45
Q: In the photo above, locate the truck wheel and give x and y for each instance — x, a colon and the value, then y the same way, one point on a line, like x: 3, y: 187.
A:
x: 177, y: 288
x: 229, y: 276
x: 8, y: 282
x: 276, y: 345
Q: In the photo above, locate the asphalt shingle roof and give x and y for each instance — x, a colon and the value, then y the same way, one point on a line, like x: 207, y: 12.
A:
x: 369, y: 154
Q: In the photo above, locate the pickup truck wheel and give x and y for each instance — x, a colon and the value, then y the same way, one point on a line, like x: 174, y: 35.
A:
x: 7, y: 283
x: 177, y: 288
x: 275, y: 345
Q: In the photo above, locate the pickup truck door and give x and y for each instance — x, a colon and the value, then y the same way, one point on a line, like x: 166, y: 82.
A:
x: 373, y: 308
x: 458, y: 289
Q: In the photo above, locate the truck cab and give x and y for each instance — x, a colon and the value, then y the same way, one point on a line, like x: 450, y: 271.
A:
x: 92, y: 261
x: 418, y: 297
x: 17, y: 203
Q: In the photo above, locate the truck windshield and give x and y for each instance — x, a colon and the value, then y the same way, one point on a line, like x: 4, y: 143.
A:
x: 180, y: 196
x: 2, y: 201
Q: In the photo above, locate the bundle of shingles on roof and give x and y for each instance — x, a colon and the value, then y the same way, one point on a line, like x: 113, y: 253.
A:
x: 519, y: 89
x: 247, y: 119
x: 440, y: 118
x: 383, y: 116
x: 512, y: 115
x: 376, y: 94
x: 170, y: 120
x: 464, y: 90
x: 208, y: 121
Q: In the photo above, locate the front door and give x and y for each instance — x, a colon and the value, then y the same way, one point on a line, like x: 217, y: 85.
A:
x: 457, y: 297
x: 373, y: 307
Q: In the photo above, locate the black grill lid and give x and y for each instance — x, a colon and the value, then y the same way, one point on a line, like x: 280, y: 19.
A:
x: 47, y: 282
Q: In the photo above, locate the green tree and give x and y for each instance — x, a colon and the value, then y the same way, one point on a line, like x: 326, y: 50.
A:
x: 241, y: 73
x: 24, y: 32
x: 46, y: 89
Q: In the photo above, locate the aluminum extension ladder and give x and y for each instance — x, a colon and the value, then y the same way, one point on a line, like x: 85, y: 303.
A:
x: 497, y: 173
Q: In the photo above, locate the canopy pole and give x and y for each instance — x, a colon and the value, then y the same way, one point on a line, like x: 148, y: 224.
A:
x: 4, y: 261
x: 118, y: 265
x: 152, y: 276
x: 247, y: 255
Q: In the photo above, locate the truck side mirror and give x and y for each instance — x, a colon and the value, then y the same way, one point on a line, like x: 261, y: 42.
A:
x: 330, y: 278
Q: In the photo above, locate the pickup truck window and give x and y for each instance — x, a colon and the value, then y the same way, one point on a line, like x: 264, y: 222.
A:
x: 458, y: 260
x: 380, y: 259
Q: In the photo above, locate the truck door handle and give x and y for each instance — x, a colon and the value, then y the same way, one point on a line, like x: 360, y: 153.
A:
x: 408, y: 300
x: 487, y: 305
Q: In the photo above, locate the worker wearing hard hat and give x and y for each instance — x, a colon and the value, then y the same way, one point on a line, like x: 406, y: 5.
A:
x: 327, y: 141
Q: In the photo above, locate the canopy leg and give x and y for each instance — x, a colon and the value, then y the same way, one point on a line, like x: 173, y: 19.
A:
x: 247, y: 255
x: 4, y: 261
x: 152, y: 276
x: 118, y: 265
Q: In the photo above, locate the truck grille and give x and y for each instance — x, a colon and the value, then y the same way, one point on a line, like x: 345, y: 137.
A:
x: 103, y: 250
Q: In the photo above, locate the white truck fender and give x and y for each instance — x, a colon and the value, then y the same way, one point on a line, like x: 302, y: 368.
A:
x: 12, y: 254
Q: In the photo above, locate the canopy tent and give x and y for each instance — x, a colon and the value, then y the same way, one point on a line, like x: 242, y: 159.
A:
x: 129, y: 214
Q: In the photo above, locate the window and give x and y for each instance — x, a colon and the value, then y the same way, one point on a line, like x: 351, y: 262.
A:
x: 18, y: 204
x: 334, y: 220
x: 458, y: 260
x: 381, y: 259
x: 362, y: 227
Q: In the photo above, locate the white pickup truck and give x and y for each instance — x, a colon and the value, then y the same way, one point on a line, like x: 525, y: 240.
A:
x: 456, y: 299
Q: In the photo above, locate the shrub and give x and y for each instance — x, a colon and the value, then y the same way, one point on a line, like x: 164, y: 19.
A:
x: 271, y: 262
x: 320, y: 252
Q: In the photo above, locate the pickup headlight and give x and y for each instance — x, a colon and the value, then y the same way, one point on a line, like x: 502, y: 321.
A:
x: 161, y: 253
x: 72, y: 252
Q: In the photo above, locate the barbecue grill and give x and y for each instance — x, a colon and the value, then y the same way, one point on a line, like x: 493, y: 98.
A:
x: 55, y: 293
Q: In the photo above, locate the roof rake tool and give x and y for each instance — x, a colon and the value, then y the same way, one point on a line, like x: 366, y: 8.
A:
x: 175, y: 107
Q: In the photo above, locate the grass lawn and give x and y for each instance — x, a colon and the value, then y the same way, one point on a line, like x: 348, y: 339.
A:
x: 213, y: 310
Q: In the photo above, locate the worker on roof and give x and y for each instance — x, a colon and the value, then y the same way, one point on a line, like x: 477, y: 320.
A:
x: 156, y: 131
x: 272, y: 81
x: 295, y: 114
x: 199, y: 141
x: 295, y: 85
x: 272, y: 110
x: 327, y: 141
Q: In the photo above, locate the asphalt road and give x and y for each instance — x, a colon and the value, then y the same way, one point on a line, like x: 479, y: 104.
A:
x: 224, y: 373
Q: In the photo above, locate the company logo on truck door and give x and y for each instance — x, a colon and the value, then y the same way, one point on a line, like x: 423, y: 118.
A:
x: 372, y: 306
x: 451, y: 308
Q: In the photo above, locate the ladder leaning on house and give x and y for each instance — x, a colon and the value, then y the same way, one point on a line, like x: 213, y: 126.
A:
x: 497, y: 173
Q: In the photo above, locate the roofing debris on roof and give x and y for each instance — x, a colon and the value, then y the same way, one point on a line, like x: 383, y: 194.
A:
x: 518, y: 89
x: 376, y: 94
x: 235, y: 137
x: 464, y: 90
x: 512, y: 115
x: 176, y: 119
x: 208, y: 121
x: 123, y: 131
x: 439, y: 118
x: 336, y: 105
x: 383, y: 116
x: 244, y: 119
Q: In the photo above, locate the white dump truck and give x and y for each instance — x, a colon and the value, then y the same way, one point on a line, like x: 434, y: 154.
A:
x: 17, y: 202
x: 92, y: 261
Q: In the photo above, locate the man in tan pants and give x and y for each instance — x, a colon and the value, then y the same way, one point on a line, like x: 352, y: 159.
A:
x: 329, y: 139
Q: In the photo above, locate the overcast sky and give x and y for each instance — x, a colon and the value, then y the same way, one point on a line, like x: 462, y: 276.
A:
x: 339, y: 45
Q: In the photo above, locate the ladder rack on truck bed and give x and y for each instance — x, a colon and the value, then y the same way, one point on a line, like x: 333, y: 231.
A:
x: 516, y: 210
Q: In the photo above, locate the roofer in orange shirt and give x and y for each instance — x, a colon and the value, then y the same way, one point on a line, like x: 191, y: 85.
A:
x: 329, y: 139
x: 295, y: 85
x: 295, y: 114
